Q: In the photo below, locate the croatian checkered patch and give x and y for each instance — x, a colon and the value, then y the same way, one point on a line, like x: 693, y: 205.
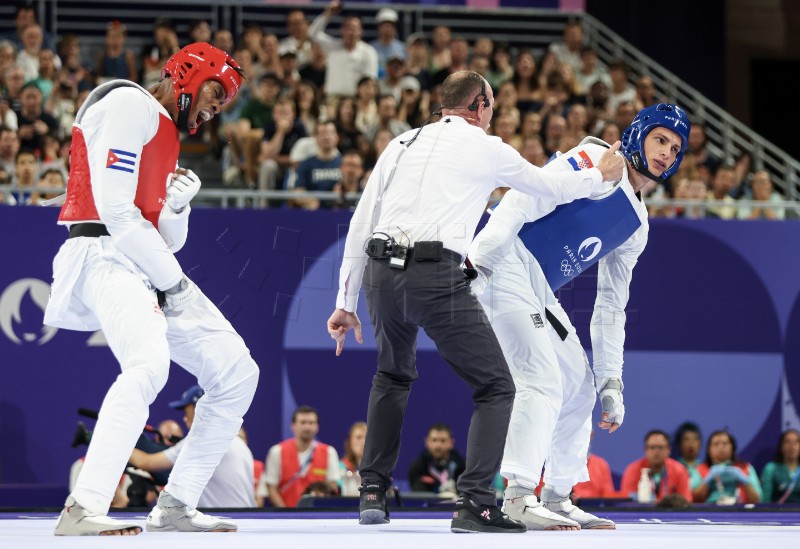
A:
x: 580, y: 162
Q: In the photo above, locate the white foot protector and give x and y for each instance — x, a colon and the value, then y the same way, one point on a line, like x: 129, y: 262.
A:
x: 535, y: 515
x: 77, y: 521
x: 588, y: 521
x: 171, y: 515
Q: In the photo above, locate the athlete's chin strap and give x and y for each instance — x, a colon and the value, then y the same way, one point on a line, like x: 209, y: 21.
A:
x: 184, y: 108
x: 638, y: 165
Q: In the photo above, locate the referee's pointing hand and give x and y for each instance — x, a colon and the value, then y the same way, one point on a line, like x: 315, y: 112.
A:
x: 339, y: 324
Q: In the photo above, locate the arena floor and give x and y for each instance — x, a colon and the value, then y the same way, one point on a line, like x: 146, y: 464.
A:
x: 407, y: 530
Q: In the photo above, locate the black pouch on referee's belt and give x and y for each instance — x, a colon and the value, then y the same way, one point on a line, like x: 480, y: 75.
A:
x: 428, y: 250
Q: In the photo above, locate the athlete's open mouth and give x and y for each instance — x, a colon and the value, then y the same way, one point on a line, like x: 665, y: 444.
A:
x: 204, y: 116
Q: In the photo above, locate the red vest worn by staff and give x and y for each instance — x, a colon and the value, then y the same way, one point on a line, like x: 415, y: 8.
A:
x: 294, y: 481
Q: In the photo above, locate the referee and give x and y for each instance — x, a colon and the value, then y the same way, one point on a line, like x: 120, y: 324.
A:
x: 411, y: 229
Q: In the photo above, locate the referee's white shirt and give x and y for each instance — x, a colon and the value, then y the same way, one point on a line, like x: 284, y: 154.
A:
x: 439, y: 189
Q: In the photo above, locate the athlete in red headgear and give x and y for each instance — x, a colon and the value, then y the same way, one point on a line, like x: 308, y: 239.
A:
x: 127, y: 210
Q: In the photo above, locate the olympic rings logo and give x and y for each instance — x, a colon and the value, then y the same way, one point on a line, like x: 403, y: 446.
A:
x: 566, y: 268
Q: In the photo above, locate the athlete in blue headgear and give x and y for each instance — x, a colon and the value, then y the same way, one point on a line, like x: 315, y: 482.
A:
x: 551, y: 418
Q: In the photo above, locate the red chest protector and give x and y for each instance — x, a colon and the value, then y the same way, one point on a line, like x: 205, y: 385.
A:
x: 157, y: 163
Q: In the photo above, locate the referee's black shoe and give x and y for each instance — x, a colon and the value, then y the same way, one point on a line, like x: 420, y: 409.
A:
x: 372, y: 508
x: 470, y: 518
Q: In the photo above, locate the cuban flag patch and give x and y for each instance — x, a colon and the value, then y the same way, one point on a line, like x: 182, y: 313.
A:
x: 123, y: 161
x: 580, y: 162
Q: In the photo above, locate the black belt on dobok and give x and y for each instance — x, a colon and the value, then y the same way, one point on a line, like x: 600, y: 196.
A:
x: 556, y: 324
x: 88, y: 229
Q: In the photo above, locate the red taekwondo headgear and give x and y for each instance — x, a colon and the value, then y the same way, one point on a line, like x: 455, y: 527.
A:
x: 191, y: 67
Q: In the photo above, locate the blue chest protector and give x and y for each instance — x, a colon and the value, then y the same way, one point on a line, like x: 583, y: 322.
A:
x: 575, y: 236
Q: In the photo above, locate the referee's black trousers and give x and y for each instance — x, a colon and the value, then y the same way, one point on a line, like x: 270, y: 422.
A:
x: 436, y: 297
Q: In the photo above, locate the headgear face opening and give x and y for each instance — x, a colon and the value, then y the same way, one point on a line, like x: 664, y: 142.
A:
x: 663, y: 115
x: 476, y: 100
x: 191, y: 67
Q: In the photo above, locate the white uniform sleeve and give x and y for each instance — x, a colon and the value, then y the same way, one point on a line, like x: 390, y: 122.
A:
x: 608, y: 319
x: 174, y: 227
x: 494, y: 241
x: 126, y: 119
x: 516, y: 208
x: 355, y: 258
x: 555, y: 186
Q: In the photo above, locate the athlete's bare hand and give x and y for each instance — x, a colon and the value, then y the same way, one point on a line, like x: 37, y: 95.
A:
x: 611, y: 164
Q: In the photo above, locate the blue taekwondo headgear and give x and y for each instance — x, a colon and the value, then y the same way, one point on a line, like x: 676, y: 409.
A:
x: 663, y: 115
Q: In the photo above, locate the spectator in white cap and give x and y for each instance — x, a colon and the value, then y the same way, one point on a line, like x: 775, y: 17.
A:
x: 387, y: 43
x: 414, y: 106
x: 288, y: 61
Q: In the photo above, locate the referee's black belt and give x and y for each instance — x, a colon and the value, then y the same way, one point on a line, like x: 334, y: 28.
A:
x: 88, y: 229
x: 445, y: 254
x: 379, y: 248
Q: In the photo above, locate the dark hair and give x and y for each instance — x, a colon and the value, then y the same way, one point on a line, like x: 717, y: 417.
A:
x: 655, y: 432
x: 779, y: 457
x: 619, y: 65
x: 734, y: 459
x: 460, y: 88
x: 319, y: 486
x: 252, y: 26
x: 364, y: 79
x: 162, y: 23
x: 25, y: 5
x: 671, y: 501
x: 314, y: 104
x: 686, y: 427
x: 324, y: 123
x: 30, y: 85
x: 22, y: 152
x: 441, y: 427
x: 532, y: 80
x: 304, y: 410
x: 728, y: 167
x: 196, y: 23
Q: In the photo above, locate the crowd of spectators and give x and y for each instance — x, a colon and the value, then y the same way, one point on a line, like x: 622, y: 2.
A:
x: 310, y: 81
x: 679, y: 476
x: 679, y: 470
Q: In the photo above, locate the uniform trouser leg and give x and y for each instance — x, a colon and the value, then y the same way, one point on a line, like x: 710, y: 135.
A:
x: 205, y: 344
x: 396, y: 339
x: 528, y: 347
x: 136, y: 333
x: 566, y: 465
x: 452, y: 316
x: 436, y: 297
